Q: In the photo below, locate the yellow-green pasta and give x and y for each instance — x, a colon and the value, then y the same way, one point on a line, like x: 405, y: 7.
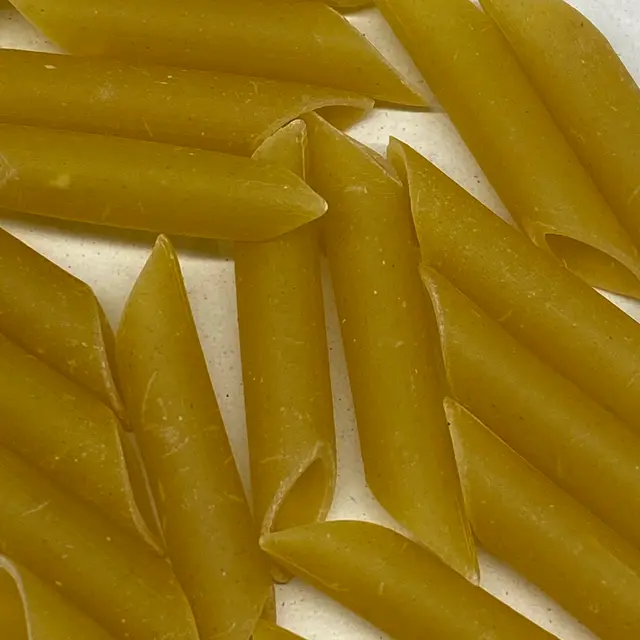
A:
x: 143, y: 185
x: 202, y: 109
x: 556, y: 315
x: 551, y: 423
x: 588, y: 90
x: 31, y: 610
x: 56, y: 317
x: 477, y: 78
x: 395, y: 584
x: 304, y: 42
x: 104, y: 571
x: 391, y: 344
x: 211, y: 539
x: 266, y: 631
x: 520, y: 516
x: 73, y: 437
x: 285, y: 362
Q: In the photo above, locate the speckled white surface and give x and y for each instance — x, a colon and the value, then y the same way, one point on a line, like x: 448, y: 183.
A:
x: 110, y: 261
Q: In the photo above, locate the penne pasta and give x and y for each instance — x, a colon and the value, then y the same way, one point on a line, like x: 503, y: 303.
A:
x: 391, y: 345
x: 524, y: 519
x: 285, y: 362
x: 211, y: 538
x: 395, y: 584
x: 203, y: 109
x: 73, y: 438
x: 266, y: 631
x: 588, y: 90
x: 564, y: 322
x: 480, y: 83
x: 148, y: 186
x: 105, y: 572
x: 56, y: 317
x: 545, y: 418
x: 304, y: 42
x: 31, y: 610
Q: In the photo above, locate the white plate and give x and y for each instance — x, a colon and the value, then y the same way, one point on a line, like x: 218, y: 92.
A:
x: 110, y: 261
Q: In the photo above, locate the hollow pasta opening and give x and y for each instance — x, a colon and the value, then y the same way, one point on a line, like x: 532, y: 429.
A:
x: 306, y: 500
x: 596, y: 267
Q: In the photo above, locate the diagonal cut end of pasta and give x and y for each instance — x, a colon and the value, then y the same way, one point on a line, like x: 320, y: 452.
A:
x: 31, y: 610
x: 341, y: 110
x: 206, y: 522
x: 394, y: 583
x: 267, y: 631
x: 56, y: 317
x: 287, y: 384
x: 390, y: 344
x: 73, y: 438
x: 613, y: 266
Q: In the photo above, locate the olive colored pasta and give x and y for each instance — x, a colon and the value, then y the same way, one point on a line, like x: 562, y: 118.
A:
x: 543, y: 416
x: 73, y: 438
x: 285, y: 361
x: 304, y: 42
x: 148, y: 186
x: 587, y: 89
x: 556, y: 315
x: 56, y: 317
x: 395, y: 584
x: 104, y: 571
x: 474, y: 74
x: 202, y: 109
x: 524, y: 519
x: 31, y: 610
x: 211, y: 539
x: 391, y: 344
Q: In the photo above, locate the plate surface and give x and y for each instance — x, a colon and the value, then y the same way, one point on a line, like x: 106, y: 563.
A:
x: 110, y: 262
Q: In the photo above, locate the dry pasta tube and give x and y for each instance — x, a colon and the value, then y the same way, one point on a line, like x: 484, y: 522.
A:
x: 395, y: 584
x: 285, y: 362
x: 56, y: 317
x: 478, y: 80
x: 31, y: 610
x: 523, y: 518
x: 203, y: 109
x: 587, y: 89
x: 543, y: 416
x: 134, y: 184
x: 266, y: 631
x: 304, y: 42
x: 73, y: 438
x: 211, y: 538
x: 549, y: 310
x: 105, y: 572
x: 391, y: 344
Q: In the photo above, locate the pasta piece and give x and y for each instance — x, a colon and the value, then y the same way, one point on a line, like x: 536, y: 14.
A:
x: 73, y: 438
x: 285, y: 363
x: 148, y: 186
x: 56, y: 317
x: 395, y: 584
x: 108, y: 574
x: 478, y: 80
x: 211, y: 539
x: 391, y: 345
x: 540, y: 414
x: 300, y: 42
x: 562, y: 320
x: 31, y: 610
x: 588, y: 90
x: 267, y: 631
x: 202, y: 109
x: 524, y: 519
